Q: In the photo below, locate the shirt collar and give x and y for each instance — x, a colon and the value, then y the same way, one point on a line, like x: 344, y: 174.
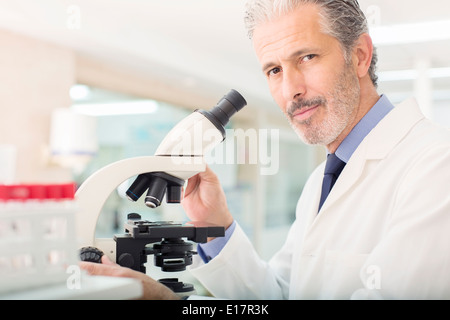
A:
x: 363, y: 127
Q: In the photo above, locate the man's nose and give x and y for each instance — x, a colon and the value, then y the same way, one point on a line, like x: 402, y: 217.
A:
x: 293, y: 84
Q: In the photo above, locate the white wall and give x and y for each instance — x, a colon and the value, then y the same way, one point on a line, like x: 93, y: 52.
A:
x: 35, y: 78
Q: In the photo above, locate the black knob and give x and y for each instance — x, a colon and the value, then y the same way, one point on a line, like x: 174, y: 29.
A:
x: 126, y: 260
x: 91, y: 254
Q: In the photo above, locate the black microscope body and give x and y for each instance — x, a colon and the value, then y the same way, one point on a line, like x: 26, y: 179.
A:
x: 171, y: 252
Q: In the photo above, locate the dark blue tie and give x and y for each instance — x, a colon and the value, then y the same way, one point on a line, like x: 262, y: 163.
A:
x: 333, y: 169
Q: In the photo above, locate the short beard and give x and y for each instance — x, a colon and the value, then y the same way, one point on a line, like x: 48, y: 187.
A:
x: 344, y: 99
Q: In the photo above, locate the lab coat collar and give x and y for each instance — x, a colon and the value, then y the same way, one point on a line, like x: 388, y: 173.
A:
x: 376, y: 146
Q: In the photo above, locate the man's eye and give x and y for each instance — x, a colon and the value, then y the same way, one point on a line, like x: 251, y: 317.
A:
x: 273, y: 71
x: 308, y: 57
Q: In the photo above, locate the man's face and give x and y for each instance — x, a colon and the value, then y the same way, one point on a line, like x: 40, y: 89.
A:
x: 308, y: 76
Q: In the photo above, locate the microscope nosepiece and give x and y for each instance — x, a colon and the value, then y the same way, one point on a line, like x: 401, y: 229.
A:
x: 158, y: 184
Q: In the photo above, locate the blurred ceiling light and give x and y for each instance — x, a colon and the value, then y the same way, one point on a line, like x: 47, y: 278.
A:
x: 79, y: 92
x: 411, y: 74
x: 116, y: 108
x: 411, y: 33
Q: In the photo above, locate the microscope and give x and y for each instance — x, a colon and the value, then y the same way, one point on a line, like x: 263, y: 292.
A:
x: 178, y: 157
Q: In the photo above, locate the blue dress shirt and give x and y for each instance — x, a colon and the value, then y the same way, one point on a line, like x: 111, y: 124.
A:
x: 363, y: 127
x: 209, y: 250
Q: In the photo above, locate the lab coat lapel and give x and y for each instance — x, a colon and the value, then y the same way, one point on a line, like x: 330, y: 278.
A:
x: 375, y: 147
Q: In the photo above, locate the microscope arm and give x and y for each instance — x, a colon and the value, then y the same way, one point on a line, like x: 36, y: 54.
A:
x: 94, y: 192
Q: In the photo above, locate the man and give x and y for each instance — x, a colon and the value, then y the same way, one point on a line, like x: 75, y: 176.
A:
x: 382, y: 231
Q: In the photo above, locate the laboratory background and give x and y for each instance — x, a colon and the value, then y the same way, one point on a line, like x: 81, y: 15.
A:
x: 85, y: 83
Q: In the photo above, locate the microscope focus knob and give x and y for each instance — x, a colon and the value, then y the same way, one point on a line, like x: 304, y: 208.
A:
x: 91, y: 254
x: 126, y: 260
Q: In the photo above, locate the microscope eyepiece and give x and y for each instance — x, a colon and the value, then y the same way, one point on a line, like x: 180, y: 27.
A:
x: 236, y: 99
x: 231, y: 103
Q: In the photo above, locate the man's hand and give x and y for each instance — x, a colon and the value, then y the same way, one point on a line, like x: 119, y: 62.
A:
x: 152, y: 290
x: 205, y: 201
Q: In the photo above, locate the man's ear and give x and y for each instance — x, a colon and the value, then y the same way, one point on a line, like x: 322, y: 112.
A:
x: 362, y: 53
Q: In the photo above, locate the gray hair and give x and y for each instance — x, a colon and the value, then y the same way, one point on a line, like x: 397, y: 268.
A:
x: 341, y: 19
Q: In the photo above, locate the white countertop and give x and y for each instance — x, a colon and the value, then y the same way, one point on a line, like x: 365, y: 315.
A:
x: 91, y: 288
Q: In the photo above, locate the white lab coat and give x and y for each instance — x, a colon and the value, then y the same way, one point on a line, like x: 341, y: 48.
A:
x: 383, y: 232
